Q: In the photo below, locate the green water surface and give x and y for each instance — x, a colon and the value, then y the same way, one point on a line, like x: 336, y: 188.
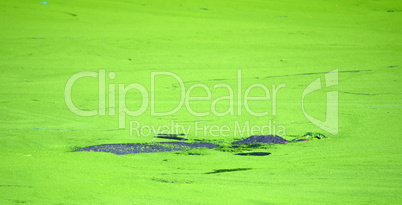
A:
x: 290, y: 43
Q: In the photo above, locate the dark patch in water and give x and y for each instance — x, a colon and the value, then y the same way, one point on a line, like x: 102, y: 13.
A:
x: 164, y: 181
x: 274, y: 139
x: 190, y: 153
x: 19, y: 201
x: 254, y: 154
x: 301, y: 140
x: 130, y: 148
x: 170, y: 182
x: 71, y: 14
x: 217, y: 171
x: 121, y: 149
x: 314, y: 135
x: 171, y: 136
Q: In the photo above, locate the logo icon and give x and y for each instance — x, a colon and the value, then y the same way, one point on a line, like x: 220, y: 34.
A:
x: 331, y: 117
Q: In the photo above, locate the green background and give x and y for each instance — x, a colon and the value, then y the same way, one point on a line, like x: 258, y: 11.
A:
x: 43, y: 45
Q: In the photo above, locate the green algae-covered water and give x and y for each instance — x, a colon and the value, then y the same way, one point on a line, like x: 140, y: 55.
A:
x: 83, y: 73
